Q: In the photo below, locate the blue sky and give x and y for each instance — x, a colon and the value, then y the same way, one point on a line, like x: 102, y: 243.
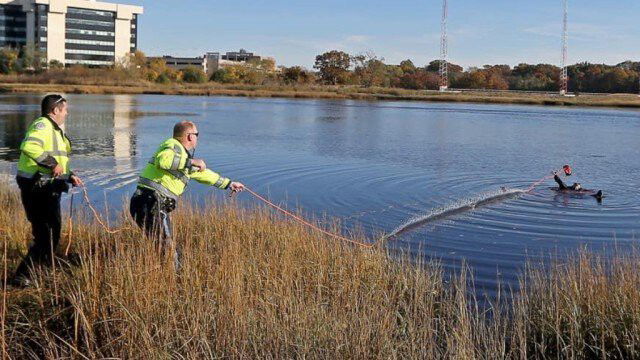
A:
x: 480, y: 32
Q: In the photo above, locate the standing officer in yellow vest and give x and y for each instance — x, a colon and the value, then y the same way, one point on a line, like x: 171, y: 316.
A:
x: 43, y: 175
x: 165, y: 178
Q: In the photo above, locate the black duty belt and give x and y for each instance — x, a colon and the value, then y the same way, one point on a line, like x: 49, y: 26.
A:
x: 166, y: 204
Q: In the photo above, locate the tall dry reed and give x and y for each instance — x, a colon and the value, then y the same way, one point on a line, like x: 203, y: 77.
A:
x: 254, y: 285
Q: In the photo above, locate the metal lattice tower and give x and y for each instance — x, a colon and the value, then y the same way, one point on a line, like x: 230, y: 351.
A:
x: 564, y: 78
x: 444, y: 73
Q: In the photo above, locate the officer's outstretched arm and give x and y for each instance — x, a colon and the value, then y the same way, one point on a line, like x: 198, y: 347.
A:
x: 33, y: 147
x: 209, y: 177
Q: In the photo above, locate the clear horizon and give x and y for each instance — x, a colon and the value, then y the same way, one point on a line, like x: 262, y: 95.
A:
x: 494, y: 32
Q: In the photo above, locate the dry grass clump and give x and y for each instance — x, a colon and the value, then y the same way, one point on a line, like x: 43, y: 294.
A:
x: 251, y: 286
x: 256, y: 286
x: 77, y: 75
x: 582, y: 309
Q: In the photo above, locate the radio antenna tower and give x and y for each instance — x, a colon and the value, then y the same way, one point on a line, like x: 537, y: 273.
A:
x: 444, y: 74
x: 564, y: 78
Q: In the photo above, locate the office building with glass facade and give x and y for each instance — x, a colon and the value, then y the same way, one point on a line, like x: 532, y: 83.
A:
x: 71, y: 31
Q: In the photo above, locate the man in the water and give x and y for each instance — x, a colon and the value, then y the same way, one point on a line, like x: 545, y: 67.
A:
x: 576, y: 188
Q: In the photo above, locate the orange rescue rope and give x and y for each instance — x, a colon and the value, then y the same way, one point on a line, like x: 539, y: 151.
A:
x: 70, y: 224
x: 269, y: 203
x: 533, y: 186
x: 98, y: 217
x: 305, y: 222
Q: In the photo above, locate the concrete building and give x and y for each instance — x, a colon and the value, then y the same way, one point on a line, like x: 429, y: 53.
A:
x: 181, y: 63
x: 71, y: 31
x: 209, y: 62
x: 241, y: 55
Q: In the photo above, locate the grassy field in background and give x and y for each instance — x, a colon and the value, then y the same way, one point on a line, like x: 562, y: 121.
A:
x: 258, y: 286
x: 98, y: 85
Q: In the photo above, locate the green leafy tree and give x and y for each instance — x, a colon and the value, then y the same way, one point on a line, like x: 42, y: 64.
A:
x: 370, y: 71
x: 163, y: 79
x: 240, y: 73
x: 496, y: 81
x: 452, y: 68
x: 540, y: 77
x: 8, y: 60
x: 394, y: 72
x: 296, y: 75
x: 407, y: 66
x: 30, y: 60
x: 268, y: 64
x: 134, y: 65
x: 158, y: 71
x: 137, y: 59
x: 476, y: 79
x: 419, y: 80
x: 55, y: 65
x: 192, y: 74
x: 333, y: 67
x: 615, y: 80
x: 220, y: 76
x: 254, y: 77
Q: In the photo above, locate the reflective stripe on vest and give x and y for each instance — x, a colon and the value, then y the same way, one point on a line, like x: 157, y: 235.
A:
x: 220, y: 182
x: 42, y: 157
x: 175, y: 165
x: 157, y: 187
x: 177, y: 174
x: 56, y: 147
x: 55, y: 140
x: 35, y: 139
x: 26, y: 175
x: 51, y: 145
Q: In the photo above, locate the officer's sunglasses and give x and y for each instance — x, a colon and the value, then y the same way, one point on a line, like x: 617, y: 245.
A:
x: 195, y: 133
x: 59, y: 100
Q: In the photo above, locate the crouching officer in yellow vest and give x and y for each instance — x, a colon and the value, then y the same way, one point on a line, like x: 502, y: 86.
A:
x: 43, y: 175
x: 165, y: 178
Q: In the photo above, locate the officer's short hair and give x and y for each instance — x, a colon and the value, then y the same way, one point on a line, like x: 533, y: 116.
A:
x: 181, y: 128
x: 51, y: 102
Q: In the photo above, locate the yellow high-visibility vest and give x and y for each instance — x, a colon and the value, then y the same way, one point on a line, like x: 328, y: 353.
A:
x: 44, y: 138
x: 169, y: 171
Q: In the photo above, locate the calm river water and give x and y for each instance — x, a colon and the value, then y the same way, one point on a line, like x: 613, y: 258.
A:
x: 377, y: 165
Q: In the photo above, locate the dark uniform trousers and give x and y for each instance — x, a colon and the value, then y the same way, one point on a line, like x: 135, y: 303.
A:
x: 150, y: 211
x: 41, y: 202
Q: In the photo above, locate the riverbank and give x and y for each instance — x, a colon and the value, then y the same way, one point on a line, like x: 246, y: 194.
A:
x: 323, y: 92
x: 257, y: 286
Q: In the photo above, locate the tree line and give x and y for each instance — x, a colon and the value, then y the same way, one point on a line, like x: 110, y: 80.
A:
x: 367, y: 70
x: 337, y: 67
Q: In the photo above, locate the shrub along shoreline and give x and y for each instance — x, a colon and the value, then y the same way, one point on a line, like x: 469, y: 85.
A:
x: 258, y: 286
x: 323, y: 92
x: 339, y: 76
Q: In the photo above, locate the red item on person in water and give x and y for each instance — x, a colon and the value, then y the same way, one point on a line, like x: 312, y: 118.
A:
x: 567, y: 170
